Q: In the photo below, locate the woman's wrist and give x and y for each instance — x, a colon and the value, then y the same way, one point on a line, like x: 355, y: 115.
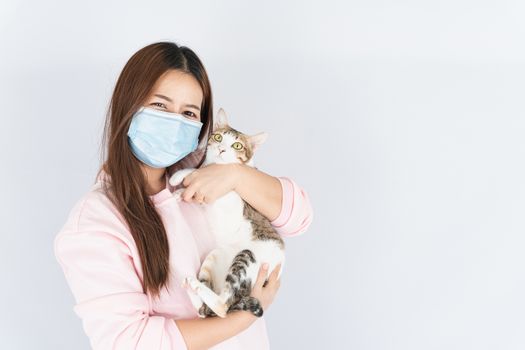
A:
x: 245, y: 316
x: 203, y: 333
x: 238, y: 171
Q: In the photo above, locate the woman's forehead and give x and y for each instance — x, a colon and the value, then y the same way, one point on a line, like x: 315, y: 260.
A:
x: 180, y: 87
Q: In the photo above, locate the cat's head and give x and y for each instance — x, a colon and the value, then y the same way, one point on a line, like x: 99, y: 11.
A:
x: 228, y: 145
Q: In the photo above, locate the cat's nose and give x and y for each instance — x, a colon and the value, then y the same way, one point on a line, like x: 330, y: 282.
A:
x: 221, y: 150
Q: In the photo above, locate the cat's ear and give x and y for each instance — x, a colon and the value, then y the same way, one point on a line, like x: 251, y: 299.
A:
x: 220, y: 119
x: 257, y: 140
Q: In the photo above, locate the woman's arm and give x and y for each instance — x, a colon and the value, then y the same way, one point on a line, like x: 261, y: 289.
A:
x: 115, y: 313
x: 260, y: 190
x: 280, y: 199
x: 203, y: 333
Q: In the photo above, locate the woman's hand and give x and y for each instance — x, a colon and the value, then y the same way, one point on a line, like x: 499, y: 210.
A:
x: 265, y: 293
x: 206, y: 184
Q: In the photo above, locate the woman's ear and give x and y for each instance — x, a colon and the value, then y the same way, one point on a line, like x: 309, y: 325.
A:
x: 257, y: 140
x: 220, y: 120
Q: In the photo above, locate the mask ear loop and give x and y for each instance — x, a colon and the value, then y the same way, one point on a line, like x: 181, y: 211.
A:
x: 202, y: 145
x: 204, y: 142
x: 140, y: 109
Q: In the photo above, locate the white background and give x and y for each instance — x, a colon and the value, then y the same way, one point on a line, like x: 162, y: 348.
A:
x: 403, y: 120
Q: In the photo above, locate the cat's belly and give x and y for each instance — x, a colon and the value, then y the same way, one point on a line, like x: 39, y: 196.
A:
x: 226, y: 220
x: 263, y: 251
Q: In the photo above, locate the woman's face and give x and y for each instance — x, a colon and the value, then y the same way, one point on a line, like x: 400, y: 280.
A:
x: 177, y: 92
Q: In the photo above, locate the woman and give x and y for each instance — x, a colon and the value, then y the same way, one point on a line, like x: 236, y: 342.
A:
x: 128, y: 244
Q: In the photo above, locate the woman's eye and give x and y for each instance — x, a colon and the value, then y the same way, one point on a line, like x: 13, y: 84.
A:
x: 162, y: 105
x: 193, y: 115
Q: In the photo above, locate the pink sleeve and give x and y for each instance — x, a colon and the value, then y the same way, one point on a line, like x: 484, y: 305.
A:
x: 115, y: 312
x: 296, y: 211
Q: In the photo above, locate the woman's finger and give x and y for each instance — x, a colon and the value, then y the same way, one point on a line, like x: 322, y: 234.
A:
x: 275, y: 273
x: 189, y: 178
x: 261, y: 277
x: 192, y: 191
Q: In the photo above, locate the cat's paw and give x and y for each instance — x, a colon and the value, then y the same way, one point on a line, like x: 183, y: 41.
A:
x: 207, y: 296
x: 217, y: 310
x: 220, y: 309
x: 175, y: 179
x: 191, y: 283
x: 205, y: 311
x: 195, y: 300
x: 178, y: 194
x: 179, y: 176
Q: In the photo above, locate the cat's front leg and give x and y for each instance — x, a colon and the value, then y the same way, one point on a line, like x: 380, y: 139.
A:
x: 195, y: 299
x: 179, y: 176
x: 207, y: 295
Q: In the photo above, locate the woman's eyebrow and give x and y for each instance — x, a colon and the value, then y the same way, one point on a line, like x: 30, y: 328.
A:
x: 164, y: 97
x: 170, y: 100
x: 193, y: 106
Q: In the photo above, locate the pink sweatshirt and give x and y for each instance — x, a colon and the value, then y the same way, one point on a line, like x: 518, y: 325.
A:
x: 102, y: 267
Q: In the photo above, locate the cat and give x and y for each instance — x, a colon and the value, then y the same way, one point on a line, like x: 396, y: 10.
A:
x: 245, y: 238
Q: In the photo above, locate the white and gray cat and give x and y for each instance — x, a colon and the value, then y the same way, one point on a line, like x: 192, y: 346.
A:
x: 245, y: 238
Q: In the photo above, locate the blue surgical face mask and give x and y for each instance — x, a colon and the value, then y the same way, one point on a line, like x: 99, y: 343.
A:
x: 160, y: 139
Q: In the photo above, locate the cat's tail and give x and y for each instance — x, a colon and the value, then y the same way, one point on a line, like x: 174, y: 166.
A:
x: 248, y: 303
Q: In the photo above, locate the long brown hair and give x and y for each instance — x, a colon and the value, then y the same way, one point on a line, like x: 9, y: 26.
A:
x: 127, y: 183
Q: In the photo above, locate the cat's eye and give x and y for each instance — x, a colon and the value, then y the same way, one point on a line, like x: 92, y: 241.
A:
x: 237, y: 146
x: 217, y: 137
